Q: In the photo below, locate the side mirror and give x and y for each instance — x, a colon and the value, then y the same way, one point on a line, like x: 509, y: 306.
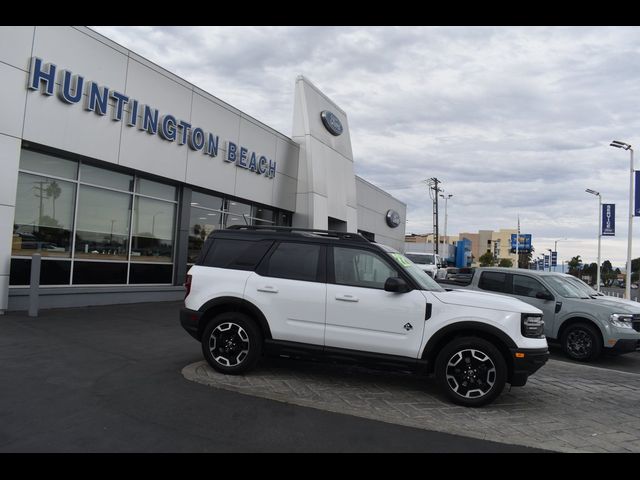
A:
x: 544, y: 296
x: 396, y: 284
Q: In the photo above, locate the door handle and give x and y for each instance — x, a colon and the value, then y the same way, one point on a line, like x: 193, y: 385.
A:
x: 347, y: 298
x: 268, y: 289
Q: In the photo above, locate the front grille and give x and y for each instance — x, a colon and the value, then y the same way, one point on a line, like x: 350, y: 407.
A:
x: 636, y: 326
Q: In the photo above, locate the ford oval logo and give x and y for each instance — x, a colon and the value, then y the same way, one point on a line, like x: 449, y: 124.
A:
x: 393, y: 218
x: 331, y: 123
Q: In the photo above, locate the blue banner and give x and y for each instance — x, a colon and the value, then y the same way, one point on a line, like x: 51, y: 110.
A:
x: 609, y: 219
x: 524, y: 242
x: 546, y: 261
x: 636, y: 207
x: 554, y: 259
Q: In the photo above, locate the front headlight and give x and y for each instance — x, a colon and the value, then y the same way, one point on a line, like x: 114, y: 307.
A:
x: 622, y: 320
x: 532, y: 326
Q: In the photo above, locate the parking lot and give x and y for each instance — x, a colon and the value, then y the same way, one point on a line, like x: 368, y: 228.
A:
x: 128, y: 378
x: 566, y: 406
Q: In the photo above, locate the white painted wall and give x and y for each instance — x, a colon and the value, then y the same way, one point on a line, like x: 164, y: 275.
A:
x: 373, y: 205
x: 326, y: 179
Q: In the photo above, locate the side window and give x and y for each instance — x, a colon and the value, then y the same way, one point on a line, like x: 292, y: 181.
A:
x: 235, y: 254
x: 494, y: 282
x: 527, y: 286
x: 360, y: 268
x: 295, y: 261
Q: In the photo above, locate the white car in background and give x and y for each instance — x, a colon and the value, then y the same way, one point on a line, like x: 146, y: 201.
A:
x: 432, y: 263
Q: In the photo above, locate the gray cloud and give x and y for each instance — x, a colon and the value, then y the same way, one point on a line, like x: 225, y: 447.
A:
x: 513, y: 120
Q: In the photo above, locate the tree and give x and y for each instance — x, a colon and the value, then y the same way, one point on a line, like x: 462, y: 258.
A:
x: 574, y: 266
x: 53, y: 190
x: 505, y: 262
x: 487, y: 259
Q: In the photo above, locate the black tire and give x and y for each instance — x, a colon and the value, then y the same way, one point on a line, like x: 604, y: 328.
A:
x: 581, y: 342
x: 232, y: 343
x: 483, y: 367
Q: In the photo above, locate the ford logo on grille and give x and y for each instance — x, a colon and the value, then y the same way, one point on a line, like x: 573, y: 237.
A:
x: 331, y: 123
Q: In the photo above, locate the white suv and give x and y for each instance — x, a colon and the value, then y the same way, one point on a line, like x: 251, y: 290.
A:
x: 333, y: 295
x: 431, y: 263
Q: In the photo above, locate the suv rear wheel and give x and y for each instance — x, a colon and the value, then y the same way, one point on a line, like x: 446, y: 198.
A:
x: 232, y: 343
x: 471, y: 371
x: 581, y: 342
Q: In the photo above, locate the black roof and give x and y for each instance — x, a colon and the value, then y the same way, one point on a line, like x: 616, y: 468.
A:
x: 290, y: 232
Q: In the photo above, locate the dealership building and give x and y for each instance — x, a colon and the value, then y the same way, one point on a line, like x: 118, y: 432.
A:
x: 115, y: 170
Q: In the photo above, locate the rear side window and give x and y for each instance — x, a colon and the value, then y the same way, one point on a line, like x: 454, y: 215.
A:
x: 236, y: 254
x: 295, y: 261
x: 494, y: 282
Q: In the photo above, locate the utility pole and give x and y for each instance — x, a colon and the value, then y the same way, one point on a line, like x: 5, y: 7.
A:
x: 433, y: 193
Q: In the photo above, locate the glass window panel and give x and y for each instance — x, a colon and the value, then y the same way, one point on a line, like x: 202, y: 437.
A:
x: 494, y: 282
x: 207, y: 201
x: 103, y: 224
x: 360, y: 268
x: 99, y: 273
x: 55, y: 272
x: 296, y: 261
x: 236, y: 254
x: 156, y: 189
x: 43, y: 216
x: 148, y: 273
x: 527, y: 286
x: 106, y: 178
x: 42, y: 163
x: 262, y: 216
x: 237, y: 212
x: 20, y: 272
x: 201, y: 224
x: 153, y: 228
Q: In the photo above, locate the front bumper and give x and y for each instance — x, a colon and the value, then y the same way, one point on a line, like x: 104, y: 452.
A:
x: 526, y: 361
x: 625, y: 345
x: 190, y: 321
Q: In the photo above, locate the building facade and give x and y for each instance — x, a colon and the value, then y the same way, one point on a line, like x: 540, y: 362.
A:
x: 115, y: 170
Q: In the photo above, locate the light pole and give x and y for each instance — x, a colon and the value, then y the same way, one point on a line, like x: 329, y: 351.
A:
x: 555, y: 249
x: 550, y: 255
x: 593, y: 192
x: 446, y: 200
x: 627, y: 283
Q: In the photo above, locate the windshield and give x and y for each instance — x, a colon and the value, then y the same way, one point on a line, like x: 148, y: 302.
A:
x: 421, y: 259
x: 583, y: 286
x: 566, y: 288
x: 415, y: 272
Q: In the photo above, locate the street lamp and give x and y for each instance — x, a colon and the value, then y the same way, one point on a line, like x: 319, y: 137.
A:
x: 555, y: 249
x: 593, y: 192
x: 550, y: 255
x: 446, y: 200
x: 627, y: 284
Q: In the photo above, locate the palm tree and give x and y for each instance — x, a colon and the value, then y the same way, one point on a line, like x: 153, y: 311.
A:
x: 53, y: 190
x: 574, y: 265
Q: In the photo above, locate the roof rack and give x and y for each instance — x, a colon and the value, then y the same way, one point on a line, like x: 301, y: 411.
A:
x: 329, y: 233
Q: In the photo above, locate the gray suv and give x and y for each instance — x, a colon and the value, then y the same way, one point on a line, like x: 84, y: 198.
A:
x: 586, y: 323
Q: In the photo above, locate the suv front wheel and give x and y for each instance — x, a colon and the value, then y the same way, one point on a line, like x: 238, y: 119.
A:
x: 581, y: 342
x: 232, y: 343
x: 471, y: 371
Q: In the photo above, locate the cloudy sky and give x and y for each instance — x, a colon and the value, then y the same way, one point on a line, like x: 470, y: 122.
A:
x: 512, y: 120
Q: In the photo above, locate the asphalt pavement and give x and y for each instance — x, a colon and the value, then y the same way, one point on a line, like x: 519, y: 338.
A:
x: 108, y: 379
